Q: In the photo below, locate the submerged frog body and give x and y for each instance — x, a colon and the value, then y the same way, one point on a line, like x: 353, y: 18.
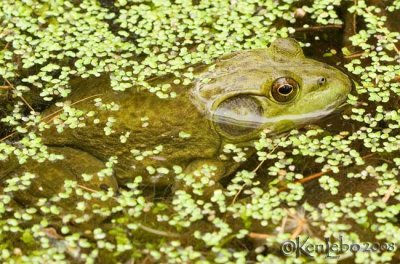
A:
x: 231, y: 101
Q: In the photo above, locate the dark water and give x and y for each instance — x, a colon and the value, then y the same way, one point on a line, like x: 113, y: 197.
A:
x: 322, y: 42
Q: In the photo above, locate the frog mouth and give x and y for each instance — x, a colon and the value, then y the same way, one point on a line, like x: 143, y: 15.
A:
x: 243, y: 116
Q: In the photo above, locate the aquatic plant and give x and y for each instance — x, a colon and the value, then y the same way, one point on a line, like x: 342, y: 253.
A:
x: 354, y: 171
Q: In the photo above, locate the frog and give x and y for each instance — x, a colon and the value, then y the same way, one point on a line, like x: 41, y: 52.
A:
x: 228, y: 103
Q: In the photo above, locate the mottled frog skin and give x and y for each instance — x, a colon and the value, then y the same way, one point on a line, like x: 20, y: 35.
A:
x: 231, y: 101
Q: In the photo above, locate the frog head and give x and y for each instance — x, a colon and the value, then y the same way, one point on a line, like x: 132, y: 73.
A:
x: 272, y: 89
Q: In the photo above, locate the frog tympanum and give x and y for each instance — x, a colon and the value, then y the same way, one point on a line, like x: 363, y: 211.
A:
x: 229, y: 102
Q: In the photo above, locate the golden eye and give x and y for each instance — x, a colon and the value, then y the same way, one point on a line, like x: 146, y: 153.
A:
x: 284, y: 89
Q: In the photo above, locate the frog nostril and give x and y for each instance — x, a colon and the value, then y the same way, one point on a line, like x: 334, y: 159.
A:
x: 321, y: 81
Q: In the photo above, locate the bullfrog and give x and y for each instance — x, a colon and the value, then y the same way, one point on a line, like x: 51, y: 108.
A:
x: 228, y: 103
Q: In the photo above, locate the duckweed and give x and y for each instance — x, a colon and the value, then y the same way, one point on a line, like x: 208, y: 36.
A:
x: 46, y: 45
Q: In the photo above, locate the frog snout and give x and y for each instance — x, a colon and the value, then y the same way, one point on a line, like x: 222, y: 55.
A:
x: 344, y: 84
x: 341, y: 87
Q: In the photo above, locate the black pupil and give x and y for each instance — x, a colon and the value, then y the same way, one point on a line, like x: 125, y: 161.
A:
x: 285, y: 89
x: 322, y: 80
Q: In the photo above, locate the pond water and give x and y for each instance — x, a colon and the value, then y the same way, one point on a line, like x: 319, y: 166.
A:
x: 136, y: 146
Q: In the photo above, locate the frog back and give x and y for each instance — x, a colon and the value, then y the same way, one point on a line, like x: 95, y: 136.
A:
x: 142, y: 131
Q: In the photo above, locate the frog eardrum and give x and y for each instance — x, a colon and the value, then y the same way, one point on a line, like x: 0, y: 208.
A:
x: 239, y: 115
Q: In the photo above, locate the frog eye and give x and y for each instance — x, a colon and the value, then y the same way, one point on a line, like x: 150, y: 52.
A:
x: 284, y: 89
x: 238, y: 116
x: 321, y: 81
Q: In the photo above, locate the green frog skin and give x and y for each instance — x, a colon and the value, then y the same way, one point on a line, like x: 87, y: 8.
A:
x: 231, y: 101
